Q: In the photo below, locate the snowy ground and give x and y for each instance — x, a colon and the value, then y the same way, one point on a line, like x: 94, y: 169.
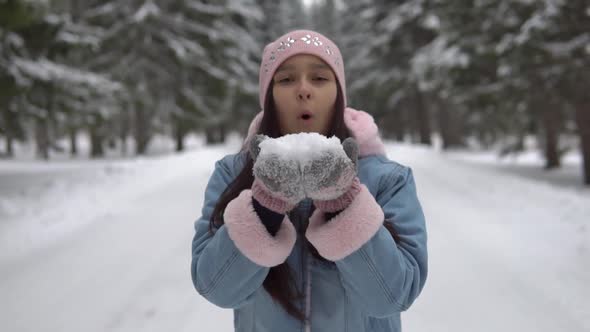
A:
x: 105, y: 245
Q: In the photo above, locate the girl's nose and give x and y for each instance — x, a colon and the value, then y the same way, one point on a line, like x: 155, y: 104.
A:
x: 304, y: 93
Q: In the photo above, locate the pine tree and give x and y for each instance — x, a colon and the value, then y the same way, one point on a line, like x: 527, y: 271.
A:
x: 44, y: 78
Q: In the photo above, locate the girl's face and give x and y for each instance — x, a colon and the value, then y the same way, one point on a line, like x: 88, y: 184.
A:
x: 304, y: 92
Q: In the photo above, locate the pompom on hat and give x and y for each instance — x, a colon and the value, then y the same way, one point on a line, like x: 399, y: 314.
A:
x: 299, y: 42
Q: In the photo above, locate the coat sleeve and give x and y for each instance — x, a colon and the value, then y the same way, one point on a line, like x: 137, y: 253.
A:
x: 229, y: 266
x: 385, y: 276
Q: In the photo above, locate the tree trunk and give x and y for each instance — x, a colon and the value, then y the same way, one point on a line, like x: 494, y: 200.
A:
x: 9, y: 147
x: 215, y: 134
x: 96, y: 132
x: 444, y: 124
x: 124, y: 129
x: 42, y: 138
x: 178, y: 134
x: 179, y: 142
x: 222, y: 133
x: 449, y: 126
x: 141, y: 131
x: 583, y: 123
x: 96, y: 140
x: 123, y: 139
x: 399, y: 130
x: 179, y: 130
x: 73, y: 142
x: 397, y: 120
x: 551, y: 124
x: 388, y: 126
x: 422, y: 117
x: 8, y: 131
x: 210, y: 136
x: 43, y: 122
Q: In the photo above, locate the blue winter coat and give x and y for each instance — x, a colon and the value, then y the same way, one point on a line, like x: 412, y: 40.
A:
x: 365, y: 291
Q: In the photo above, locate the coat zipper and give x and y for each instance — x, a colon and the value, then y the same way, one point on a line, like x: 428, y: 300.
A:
x: 308, y: 295
x: 307, y: 266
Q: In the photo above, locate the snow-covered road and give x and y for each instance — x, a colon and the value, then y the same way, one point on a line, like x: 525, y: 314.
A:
x: 505, y: 254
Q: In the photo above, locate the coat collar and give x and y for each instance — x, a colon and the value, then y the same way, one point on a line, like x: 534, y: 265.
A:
x: 360, y: 124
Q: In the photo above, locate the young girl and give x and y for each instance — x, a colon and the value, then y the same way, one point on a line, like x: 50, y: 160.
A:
x: 295, y: 252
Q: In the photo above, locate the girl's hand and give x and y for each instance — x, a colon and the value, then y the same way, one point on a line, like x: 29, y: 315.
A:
x: 330, y: 175
x: 276, y: 179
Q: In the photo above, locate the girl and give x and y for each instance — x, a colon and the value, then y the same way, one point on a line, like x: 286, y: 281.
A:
x: 295, y: 252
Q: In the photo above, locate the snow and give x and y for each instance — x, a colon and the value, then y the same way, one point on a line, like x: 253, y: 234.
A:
x: 432, y: 22
x: 47, y: 70
x: 13, y: 39
x: 368, y: 13
x: 105, y: 245
x: 513, y: 246
x: 302, y: 147
x: 564, y: 49
x: 40, y: 202
x: 73, y: 38
x: 183, y: 47
x: 392, y: 23
x: 539, y: 20
x: 101, y: 10
x: 205, y: 8
x: 309, y: 3
x: 146, y: 10
x: 528, y: 164
x: 37, y: 2
x: 401, y: 15
x: 439, y: 53
x: 245, y: 9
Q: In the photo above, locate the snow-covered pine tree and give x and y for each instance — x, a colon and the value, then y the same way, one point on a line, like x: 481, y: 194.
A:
x: 136, y: 51
x: 233, y: 93
x: 354, y: 41
x: 46, y: 81
x: 563, y: 39
x: 399, y: 99
x: 182, y: 60
x: 14, y: 15
x: 281, y: 17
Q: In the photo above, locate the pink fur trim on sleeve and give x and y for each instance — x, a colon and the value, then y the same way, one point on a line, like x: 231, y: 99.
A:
x: 349, y: 230
x: 251, y: 236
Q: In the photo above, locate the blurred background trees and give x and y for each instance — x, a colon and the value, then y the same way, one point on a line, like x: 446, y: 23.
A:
x: 463, y: 73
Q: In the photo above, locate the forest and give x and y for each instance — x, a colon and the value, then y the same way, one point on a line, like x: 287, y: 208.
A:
x: 482, y: 74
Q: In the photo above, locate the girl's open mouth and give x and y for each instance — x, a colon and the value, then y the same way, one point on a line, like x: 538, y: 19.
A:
x: 305, y: 115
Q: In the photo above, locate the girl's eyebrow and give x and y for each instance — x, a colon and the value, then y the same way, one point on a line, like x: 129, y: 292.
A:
x: 285, y: 67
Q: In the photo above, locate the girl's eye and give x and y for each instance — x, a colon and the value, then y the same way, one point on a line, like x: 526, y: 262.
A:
x: 319, y: 78
x: 284, y: 80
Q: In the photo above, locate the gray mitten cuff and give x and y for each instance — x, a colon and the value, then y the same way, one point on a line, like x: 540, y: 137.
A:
x: 341, y: 202
x: 263, y: 196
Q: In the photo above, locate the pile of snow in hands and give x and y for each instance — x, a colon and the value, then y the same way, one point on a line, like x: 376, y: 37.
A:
x: 302, y: 147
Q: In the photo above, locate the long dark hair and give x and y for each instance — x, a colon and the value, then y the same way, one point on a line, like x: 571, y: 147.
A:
x: 279, y: 282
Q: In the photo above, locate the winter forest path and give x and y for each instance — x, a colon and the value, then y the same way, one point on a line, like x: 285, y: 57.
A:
x: 505, y: 254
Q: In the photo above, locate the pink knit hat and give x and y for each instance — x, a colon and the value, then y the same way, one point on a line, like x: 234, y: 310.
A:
x: 299, y: 42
